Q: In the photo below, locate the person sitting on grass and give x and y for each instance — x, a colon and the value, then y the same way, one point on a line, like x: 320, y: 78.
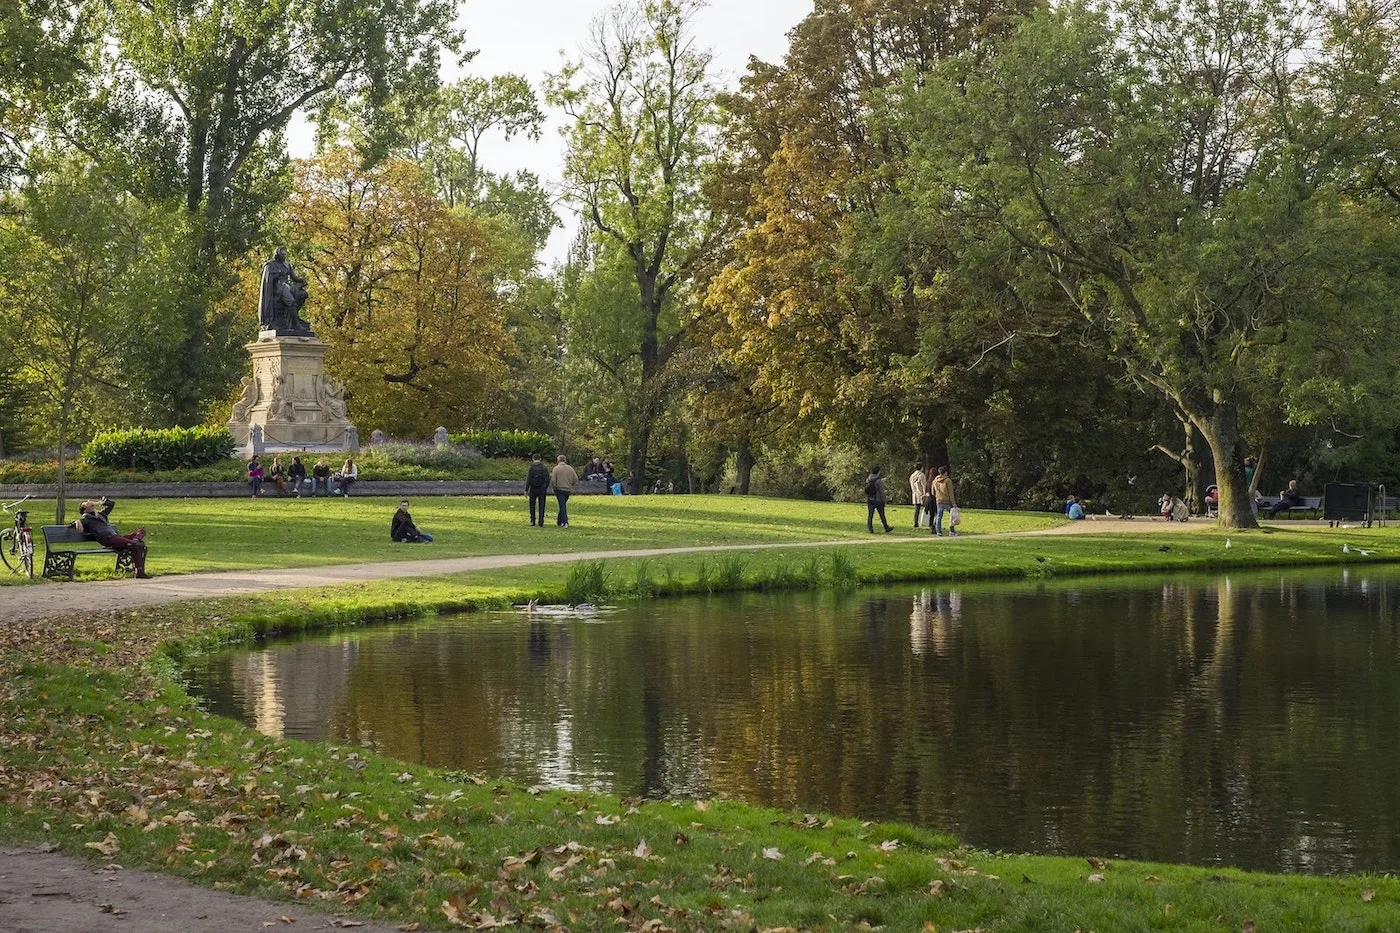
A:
x: 1074, y: 510
x: 1287, y: 499
x: 347, y: 476
x: 1173, y: 509
x: 402, y: 529
x: 92, y: 520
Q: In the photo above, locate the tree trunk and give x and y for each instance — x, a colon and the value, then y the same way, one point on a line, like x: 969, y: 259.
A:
x: 1221, y: 430
x: 743, y: 465
x: 61, y: 492
x: 637, y: 455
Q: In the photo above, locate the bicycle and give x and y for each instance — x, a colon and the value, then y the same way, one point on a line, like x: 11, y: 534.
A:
x: 17, y: 542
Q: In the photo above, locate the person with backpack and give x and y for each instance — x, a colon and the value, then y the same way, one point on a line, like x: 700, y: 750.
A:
x: 537, y: 488
x: 875, y: 501
x: 944, y: 501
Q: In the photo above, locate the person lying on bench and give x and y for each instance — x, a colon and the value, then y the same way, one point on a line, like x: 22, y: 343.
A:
x: 1287, y: 499
x: 93, y: 521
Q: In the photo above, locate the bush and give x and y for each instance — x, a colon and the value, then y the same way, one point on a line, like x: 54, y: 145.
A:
x: 447, y: 459
x: 519, y: 444
x: 170, y: 449
x: 588, y: 582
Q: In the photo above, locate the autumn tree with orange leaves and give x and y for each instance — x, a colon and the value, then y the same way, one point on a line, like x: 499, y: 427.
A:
x: 403, y: 289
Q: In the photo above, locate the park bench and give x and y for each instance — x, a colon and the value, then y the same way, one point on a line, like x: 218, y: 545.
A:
x: 64, y: 544
x: 1309, y: 504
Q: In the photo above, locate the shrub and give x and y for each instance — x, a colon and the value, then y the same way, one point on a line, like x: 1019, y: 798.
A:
x: 170, y: 449
x: 730, y: 577
x: 843, y: 571
x: 519, y: 444
x: 428, y: 456
x: 587, y: 583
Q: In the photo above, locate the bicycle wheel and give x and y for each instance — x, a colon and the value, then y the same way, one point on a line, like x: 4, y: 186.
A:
x: 9, y: 549
x: 26, y: 553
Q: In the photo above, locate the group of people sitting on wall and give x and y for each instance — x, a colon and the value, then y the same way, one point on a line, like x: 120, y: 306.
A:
x: 292, y: 479
x: 600, y: 470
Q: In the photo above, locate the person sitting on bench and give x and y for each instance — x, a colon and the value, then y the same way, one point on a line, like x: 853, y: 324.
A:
x: 1287, y: 499
x: 92, y: 520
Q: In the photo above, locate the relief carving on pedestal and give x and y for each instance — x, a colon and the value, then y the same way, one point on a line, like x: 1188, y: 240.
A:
x: 244, y: 406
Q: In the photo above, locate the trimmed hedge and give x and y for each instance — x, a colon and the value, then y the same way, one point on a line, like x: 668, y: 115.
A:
x: 519, y: 444
x: 169, y: 449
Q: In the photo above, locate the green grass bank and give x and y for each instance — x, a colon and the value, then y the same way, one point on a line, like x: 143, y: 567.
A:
x: 103, y: 754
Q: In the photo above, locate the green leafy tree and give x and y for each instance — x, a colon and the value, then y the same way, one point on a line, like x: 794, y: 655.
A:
x: 642, y: 119
x: 82, y: 282
x: 41, y: 42
x: 1157, y: 164
x: 190, y: 99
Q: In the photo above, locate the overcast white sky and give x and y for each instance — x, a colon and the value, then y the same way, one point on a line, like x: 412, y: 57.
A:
x: 527, y: 37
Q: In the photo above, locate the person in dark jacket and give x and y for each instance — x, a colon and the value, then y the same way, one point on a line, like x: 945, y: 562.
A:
x: 296, y: 475
x: 92, y: 520
x: 537, y: 488
x: 875, y: 501
x: 1287, y: 499
x: 402, y: 529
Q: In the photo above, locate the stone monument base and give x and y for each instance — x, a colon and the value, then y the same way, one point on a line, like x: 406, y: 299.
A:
x: 290, y: 404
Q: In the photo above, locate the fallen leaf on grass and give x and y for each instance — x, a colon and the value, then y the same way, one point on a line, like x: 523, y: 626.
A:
x: 1097, y: 878
x: 1368, y: 895
x: 889, y: 845
x: 1152, y: 879
x: 108, y: 847
x: 1097, y: 864
x: 773, y: 855
x: 605, y: 820
x: 643, y: 851
x: 1248, y: 927
x: 937, y: 887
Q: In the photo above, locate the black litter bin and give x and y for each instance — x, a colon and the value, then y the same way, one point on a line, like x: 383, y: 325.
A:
x: 1347, y: 502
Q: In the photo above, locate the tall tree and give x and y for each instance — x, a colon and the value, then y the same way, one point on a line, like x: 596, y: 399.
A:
x: 82, y: 268
x: 642, y: 117
x: 189, y: 99
x: 1159, y: 162
x: 41, y: 46
x: 818, y: 304
x: 404, y: 291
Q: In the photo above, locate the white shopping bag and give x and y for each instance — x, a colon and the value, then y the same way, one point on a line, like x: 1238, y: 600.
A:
x: 955, y: 516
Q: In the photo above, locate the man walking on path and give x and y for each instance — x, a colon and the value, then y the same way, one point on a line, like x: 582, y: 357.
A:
x: 875, y: 501
x: 537, y: 488
x: 563, y: 479
x: 944, y: 501
x: 918, y: 489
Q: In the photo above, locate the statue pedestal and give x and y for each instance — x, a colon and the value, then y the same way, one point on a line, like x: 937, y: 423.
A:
x: 295, y: 405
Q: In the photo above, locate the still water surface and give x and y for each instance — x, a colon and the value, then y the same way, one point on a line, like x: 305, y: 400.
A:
x: 1249, y: 720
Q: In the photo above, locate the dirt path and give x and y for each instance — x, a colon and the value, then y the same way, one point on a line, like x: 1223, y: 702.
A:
x: 30, y: 603
x: 51, y: 893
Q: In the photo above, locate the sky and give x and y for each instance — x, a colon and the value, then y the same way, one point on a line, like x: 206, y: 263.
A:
x: 527, y: 36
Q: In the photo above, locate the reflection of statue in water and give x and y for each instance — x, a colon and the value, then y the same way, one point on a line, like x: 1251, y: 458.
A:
x: 283, y: 295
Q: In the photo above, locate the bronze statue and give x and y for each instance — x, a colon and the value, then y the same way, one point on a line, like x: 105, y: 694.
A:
x: 282, y: 298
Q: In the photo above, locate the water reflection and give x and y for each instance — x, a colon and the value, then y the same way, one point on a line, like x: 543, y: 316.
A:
x: 1243, y: 720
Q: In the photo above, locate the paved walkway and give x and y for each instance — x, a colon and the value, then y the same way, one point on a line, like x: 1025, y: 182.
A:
x: 24, y: 604
x: 52, y: 893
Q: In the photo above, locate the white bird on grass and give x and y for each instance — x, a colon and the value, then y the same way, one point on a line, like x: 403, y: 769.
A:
x: 1364, y: 553
x: 1227, y: 544
x: 1346, y: 549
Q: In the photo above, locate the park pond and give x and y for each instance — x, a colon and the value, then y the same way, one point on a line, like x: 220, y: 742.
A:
x: 1244, y: 720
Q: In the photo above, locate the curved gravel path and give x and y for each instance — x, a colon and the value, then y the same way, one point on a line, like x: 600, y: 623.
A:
x: 31, y: 603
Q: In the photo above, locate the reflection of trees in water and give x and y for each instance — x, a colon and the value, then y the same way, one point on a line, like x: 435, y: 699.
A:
x: 1194, y: 720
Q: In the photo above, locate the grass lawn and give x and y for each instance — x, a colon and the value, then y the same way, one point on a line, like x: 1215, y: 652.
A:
x: 103, y: 754
x: 187, y: 535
